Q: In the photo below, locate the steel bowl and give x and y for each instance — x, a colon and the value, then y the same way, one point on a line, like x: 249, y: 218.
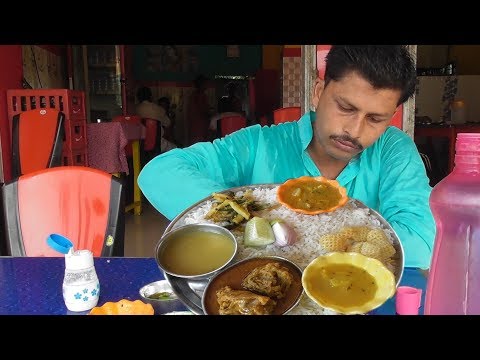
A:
x: 234, y: 274
x: 185, y: 230
x: 161, y: 296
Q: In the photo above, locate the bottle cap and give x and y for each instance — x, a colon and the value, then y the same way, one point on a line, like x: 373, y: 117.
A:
x: 467, y: 149
x: 408, y: 300
x: 467, y: 143
x: 78, y: 260
x: 59, y: 243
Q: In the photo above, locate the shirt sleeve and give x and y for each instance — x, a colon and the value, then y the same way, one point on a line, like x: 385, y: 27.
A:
x: 179, y: 178
x: 404, y: 198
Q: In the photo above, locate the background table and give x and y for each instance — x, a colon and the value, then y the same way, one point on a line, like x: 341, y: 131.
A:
x: 106, y: 151
x: 449, y: 131
x: 106, y: 147
x: 33, y: 285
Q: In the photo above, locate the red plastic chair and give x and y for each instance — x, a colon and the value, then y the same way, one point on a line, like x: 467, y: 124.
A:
x: 264, y: 121
x: 135, y: 119
x: 292, y: 113
x: 37, y: 140
x: 84, y: 204
x: 150, y: 134
x: 229, y: 124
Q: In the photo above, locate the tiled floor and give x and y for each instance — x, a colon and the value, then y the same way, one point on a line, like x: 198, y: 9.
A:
x: 143, y: 232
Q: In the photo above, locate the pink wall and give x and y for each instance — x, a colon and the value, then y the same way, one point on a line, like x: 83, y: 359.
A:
x: 11, y: 72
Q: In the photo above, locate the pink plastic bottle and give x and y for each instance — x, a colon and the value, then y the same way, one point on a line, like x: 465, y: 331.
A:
x: 453, y: 285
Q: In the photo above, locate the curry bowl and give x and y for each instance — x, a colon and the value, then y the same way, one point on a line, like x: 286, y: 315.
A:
x: 267, y: 285
x: 312, y: 195
x: 195, y: 251
x: 348, y: 282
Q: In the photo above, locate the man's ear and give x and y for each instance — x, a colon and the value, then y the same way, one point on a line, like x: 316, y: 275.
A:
x: 317, y: 90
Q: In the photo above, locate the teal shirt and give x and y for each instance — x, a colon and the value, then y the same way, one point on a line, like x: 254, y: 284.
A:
x: 388, y: 176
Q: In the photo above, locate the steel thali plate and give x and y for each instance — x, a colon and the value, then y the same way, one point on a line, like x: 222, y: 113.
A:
x: 191, y: 291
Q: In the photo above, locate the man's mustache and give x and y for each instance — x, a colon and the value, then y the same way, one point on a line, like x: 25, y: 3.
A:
x: 347, y: 138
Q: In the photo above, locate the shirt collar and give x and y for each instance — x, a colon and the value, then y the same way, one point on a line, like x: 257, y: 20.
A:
x: 305, y: 128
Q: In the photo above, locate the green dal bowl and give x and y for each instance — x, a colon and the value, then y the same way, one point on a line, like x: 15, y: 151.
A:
x: 195, y: 251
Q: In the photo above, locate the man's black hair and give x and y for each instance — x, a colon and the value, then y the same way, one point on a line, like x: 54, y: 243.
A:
x: 383, y: 66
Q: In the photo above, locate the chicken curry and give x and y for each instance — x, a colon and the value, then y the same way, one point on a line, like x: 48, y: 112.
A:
x: 254, y: 286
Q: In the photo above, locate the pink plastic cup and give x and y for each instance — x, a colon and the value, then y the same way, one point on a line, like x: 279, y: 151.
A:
x: 408, y: 300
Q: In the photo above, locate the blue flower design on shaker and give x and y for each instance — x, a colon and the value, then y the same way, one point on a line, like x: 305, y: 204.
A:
x: 85, y: 291
x: 85, y: 298
x: 94, y: 292
x: 77, y: 296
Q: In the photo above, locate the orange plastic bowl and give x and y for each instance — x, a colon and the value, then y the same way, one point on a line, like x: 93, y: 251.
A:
x: 285, y: 190
x: 123, y: 307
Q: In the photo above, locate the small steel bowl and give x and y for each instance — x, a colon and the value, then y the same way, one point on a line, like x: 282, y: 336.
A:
x: 185, y: 230
x: 164, y: 304
x: 234, y: 274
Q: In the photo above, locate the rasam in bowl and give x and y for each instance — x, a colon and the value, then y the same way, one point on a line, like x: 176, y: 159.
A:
x: 195, y: 251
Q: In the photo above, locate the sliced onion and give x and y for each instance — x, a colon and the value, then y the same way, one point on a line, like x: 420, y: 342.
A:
x: 284, y: 233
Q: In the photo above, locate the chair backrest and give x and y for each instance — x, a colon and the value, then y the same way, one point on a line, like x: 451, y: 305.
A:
x: 150, y: 134
x: 229, y: 124
x: 37, y: 140
x: 291, y: 113
x: 263, y: 121
x: 397, y: 119
x: 135, y: 119
x: 84, y: 204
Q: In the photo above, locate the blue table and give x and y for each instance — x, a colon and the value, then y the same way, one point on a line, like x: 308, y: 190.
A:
x: 33, y: 285
x: 411, y: 277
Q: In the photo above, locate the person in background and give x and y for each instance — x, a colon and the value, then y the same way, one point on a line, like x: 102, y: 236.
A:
x: 230, y: 102
x: 346, y: 137
x: 198, y: 112
x: 164, y: 102
x: 228, y: 105
x: 147, y: 109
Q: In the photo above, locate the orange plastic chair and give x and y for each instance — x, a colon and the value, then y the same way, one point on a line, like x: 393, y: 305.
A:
x: 84, y: 204
x: 229, y: 124
x: 37, y: 140
x: 292, y: 113
x: 128, y: 119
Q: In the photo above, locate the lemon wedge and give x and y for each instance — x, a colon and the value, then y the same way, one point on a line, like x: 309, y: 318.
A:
x: 258, y: 232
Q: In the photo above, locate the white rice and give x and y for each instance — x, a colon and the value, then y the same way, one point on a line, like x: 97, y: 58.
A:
x: 309, y: 229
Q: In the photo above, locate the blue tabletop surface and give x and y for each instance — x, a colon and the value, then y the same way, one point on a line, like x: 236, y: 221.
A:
x: 411, y: 277
x: 33, y: 285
